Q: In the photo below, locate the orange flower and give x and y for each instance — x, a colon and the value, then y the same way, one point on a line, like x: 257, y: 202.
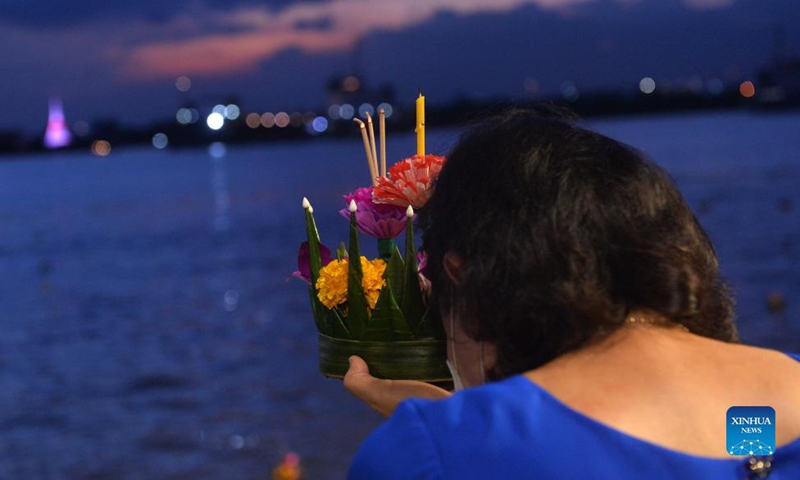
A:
x: 410, y: 181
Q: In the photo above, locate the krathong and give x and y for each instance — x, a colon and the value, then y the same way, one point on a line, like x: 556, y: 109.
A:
x: 378, y: 308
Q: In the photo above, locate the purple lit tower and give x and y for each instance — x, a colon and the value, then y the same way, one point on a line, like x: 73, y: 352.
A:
x: 57, y: 134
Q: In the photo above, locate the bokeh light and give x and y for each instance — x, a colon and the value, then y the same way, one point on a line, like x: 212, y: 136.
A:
x: 715, y: 86
x: 215, y: 121
x: 351, y: 84
x: 232, y: 112
x: 387, y: 109
x: 282, y: 120
x: 268, y: 120
x: 319, y: 124
x: 366, y: 108
x: 570, y: 91
x: 747, y: 89
x: 296, y: 119
x: 101, y: 148
x: 647, y: 85
x: 333, y: 111
x: 184, y: 116
x: 347, y: 111
x: 80, y: 128
x: 160, y: 140
x: 219, y: 109
x: 217, y: 150
x: 252, y: 120
x: 183, y: 83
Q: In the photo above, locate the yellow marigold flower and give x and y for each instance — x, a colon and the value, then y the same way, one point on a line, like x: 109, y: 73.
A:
x: 332, y: 281
x: 373, y: 279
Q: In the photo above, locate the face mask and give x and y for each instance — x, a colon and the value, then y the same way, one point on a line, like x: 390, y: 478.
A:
x: 458, y: 385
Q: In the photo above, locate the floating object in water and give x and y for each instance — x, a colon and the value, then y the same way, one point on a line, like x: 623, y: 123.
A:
x: 776, y: 302
x: 289, y: 469
x: 57, y: 134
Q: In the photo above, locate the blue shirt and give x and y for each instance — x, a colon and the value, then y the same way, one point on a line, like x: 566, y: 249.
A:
x: 514, y: 429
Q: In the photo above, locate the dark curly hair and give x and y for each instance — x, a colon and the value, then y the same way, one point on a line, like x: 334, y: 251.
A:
x: 563, y: 232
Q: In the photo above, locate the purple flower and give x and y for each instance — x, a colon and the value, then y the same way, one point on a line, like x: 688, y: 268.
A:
x: 377, y: 220
x: 303, y: 264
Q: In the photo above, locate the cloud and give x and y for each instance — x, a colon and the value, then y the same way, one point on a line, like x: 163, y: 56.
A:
x: 258, y: 33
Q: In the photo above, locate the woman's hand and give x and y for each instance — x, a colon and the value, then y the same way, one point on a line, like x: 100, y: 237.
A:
x: 384, y: 395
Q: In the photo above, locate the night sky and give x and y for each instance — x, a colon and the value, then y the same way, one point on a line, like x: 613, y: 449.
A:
x: 120, y: 59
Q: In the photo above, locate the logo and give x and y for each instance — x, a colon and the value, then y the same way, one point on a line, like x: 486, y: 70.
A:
x: 751, y: 431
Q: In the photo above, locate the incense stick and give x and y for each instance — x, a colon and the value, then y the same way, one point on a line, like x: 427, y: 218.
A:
x: 368, y: 151
x: 372, y: 143
x: 382, y: 120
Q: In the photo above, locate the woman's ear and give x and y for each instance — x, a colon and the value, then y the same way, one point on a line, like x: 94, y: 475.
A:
x: 453, y: 267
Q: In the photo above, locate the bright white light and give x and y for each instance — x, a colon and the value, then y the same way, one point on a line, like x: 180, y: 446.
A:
x: 215, y: 121
x: 366, y: 108
x: 387, y: 108
x: 160, y: 140
x: 217, y: 150
x: 347, y: 111
x: 232, y: 112
x: 320, y: 124
x: 647, y: 85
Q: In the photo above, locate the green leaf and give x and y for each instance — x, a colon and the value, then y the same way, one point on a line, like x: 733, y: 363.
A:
x: 341, y: 252
x: 336, y: 325
x: 379, y: 327
x: 431, y: 324
x: 388, y: 314
x: 411, y: 304
x: 358, y: 311
x: 315, y: 264
x: 395, y: 274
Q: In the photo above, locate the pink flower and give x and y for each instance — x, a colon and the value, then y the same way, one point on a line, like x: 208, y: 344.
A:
x: 373, y: 219
x: 303, y: 264
x: 410, y: 181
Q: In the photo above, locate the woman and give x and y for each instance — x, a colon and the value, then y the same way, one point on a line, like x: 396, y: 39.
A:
x: 583, y: 299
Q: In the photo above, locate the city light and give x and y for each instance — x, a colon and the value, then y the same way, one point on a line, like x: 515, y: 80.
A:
x: 57, y: 134
x: 268, y: 120
x: 215, y: 121
x: 747, y: 89
x: 570, y: 91
x: 366, y: 108
x: 101, y: 148
x: 282, y: 119
x: 346, y: 111
x: 232, y: 112
x: 333, y: 111
x: 715, y: 86
x: 183, y: 83
x: 387, y: 109
x: 647, y: 85
x: 217, y: 150
x: 351, y: 84
x: 253, y: 120
x: 320, y: 124
x: 160, y: 141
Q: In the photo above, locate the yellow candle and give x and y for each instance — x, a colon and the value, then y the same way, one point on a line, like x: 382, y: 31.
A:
x: 420, y: 125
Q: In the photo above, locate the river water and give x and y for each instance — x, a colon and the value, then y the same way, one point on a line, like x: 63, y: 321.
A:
x: 148, y: 330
